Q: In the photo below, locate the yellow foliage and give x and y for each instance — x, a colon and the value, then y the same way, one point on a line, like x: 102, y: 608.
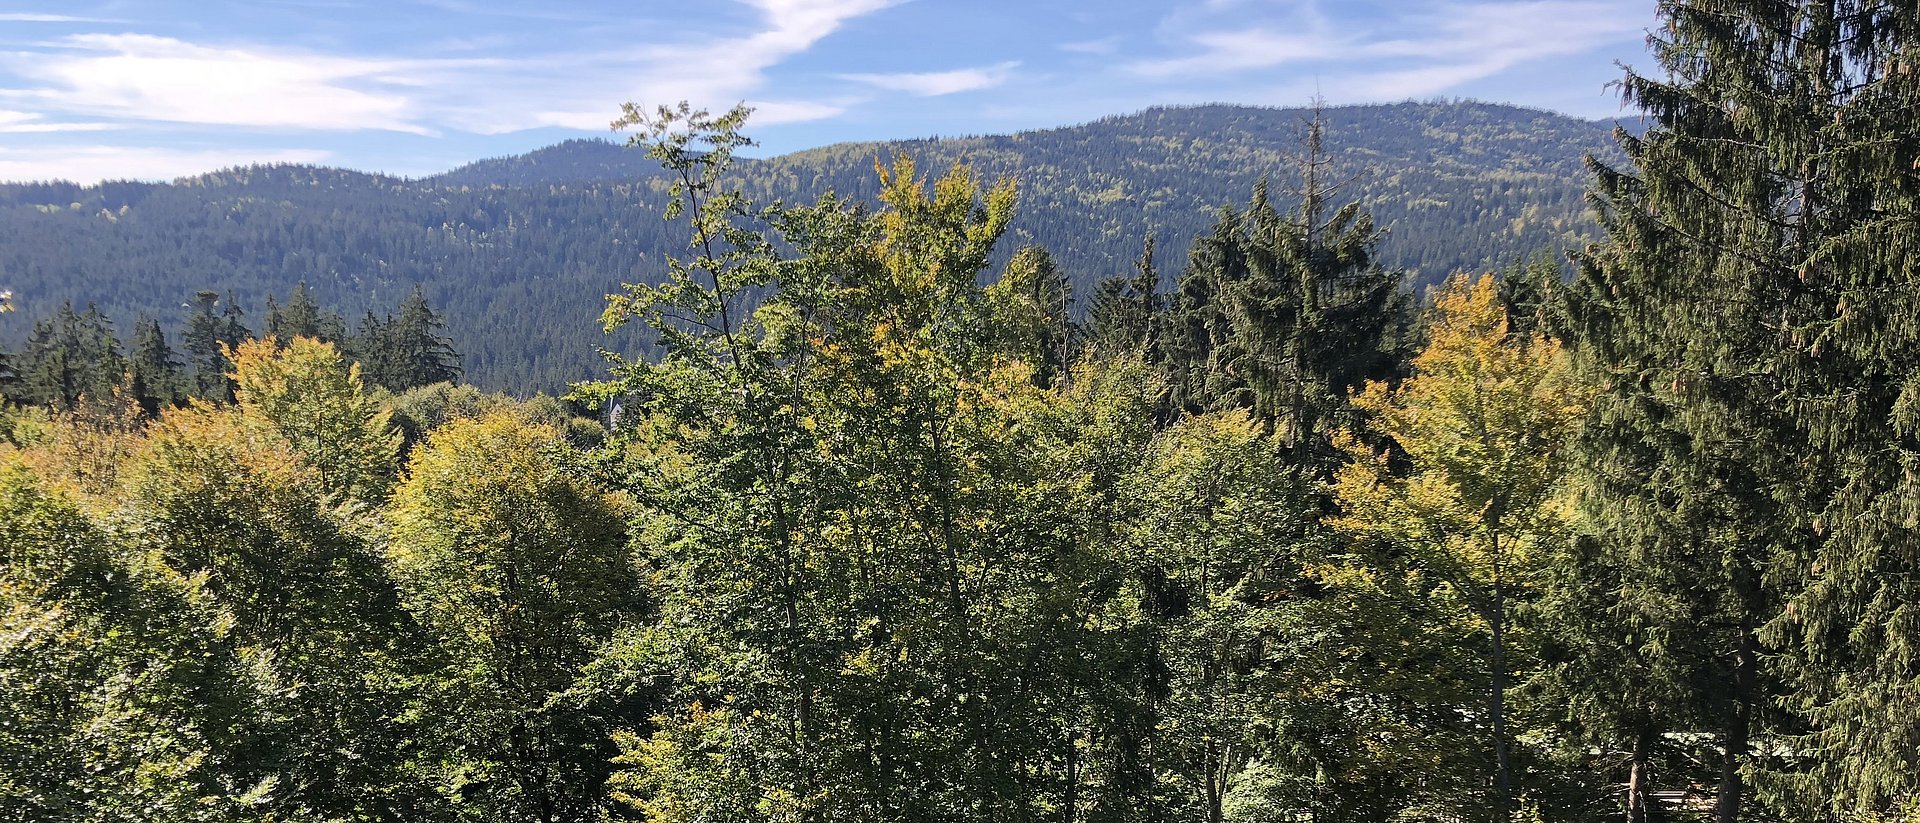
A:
x: 1484, y: 421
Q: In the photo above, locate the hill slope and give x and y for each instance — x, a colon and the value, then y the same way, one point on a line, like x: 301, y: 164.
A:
x: 519, y: 251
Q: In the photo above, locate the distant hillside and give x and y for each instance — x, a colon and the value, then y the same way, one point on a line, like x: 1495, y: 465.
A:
x: 519, y: 251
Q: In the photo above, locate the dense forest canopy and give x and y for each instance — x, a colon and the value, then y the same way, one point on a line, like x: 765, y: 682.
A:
x: 900, y: 520
x: 520, y: 252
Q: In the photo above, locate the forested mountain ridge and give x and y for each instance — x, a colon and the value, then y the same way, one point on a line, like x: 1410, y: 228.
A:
x: 519, y: 250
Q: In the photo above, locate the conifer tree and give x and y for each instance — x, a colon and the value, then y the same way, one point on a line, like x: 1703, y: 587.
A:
x: 211, y: 330
x: 1285, y: 314
x: 1750, y: 322
x: 407, y: 351
x: 302, y: 317
x: 1122, y: 310
x: 69, y: 356
x: 154, y: 370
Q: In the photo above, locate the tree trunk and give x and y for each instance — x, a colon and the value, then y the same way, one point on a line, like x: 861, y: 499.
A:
x: 1502, y: 758
x: 1637, y: 778
x: 1739, y: 728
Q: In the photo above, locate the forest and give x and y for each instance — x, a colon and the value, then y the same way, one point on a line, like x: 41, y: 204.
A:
x: 893, y: 523
x: 519, y: 253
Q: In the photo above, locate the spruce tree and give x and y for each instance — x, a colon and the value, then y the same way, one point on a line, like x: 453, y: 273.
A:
x: 70, y: 356
x: 1121, y: 312
x: 1285, y: 314
x: 302, y: 317
x: 409, y: 350
x: 211, y: 330
x: 153, y: 369
x: 1750, y: 321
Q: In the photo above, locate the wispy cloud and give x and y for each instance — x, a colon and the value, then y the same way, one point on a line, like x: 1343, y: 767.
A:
x: 1223, y: 52
x: 91, y: 164
x: 1104, y: 45
x: 136, y: 77
x: 938, y: 83
x: 30, y: 17
x: 715, y: 73
x: 1420, y: 53
x: 143, y: 77
x: 26, y: 122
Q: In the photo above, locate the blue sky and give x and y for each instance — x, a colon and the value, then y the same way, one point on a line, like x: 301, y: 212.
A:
x: 93, y: 89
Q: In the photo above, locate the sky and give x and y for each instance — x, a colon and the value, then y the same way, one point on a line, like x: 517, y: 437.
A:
x: 157, y: 89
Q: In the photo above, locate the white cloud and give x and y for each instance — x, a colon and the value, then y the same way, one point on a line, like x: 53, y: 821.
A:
x: 143, y: 77
x: 1226, y: 52
x: 29, y: 17
x: 140, y: 78
x: 775, y: 112
x: 1104, y: 45
x: 1424, y: 53
x: 937, y: 83
x: 26, y: 122
x: 714, y: 73
x: 91, y: 164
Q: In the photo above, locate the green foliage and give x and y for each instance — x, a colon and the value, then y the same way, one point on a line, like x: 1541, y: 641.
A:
x: 123, y: 694
x: 518, y: 253
x: 314, y: 400
x: 70, y: 356
x: 519, y: 571
x: 878, y: 531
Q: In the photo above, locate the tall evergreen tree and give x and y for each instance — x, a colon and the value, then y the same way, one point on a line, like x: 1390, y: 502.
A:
x: 211, y: 330
x: 406, y: 351
x: 1285, y: 315
x: 302, y: 317
x: 153, y: 369
x: 1750, y: 320
x: 1122, y: 310
x: 69, y: 356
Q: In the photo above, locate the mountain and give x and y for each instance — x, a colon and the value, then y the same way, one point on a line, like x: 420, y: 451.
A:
x: 520, y: 251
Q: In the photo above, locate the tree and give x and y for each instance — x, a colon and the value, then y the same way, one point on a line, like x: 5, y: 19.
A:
x: 1743, y: 451
x: 1034, y: 299
x: 153, y: 370
x: 1216, y: 543
x: 302, y: 317
x: 1484, y: 422
x: 520, y: 569
x: 1122, y: 310
x: 314, y: 399
x: 218, y: 495
x: 123, y: 692
x: 210, y: 332
x: 408, y: 351
x: 1285, y: 315
x: 70, y: 356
